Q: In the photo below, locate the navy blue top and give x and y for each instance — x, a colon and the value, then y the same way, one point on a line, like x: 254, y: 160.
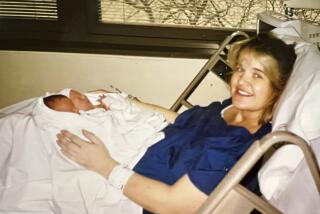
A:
x: 201, y: 144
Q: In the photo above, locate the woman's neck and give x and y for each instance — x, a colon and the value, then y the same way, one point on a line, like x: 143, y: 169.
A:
x: 247, y: 119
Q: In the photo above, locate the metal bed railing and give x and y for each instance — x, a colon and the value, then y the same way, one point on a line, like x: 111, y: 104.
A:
x: 231, y: 197
x: 217, y: 64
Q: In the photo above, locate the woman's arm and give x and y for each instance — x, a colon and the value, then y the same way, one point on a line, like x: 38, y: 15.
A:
x: 158, y: 197
x: 168, y: 114
x: 155, y: 196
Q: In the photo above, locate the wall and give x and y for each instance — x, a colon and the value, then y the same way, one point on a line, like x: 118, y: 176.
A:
x: 158, y: 80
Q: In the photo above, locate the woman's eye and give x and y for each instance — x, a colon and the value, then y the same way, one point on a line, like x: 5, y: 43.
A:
x: 239, y: 69
x: 258, y: 76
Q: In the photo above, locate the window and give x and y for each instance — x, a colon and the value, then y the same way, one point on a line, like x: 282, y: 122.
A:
x: 188, y: 23
x: 29, y: 9
x: 187, y: 28
x: 201, y: 24
x: 24, y: 17
x: 197, y: 13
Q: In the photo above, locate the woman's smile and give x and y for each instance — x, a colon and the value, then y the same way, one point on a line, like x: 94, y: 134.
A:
x: 243, y: 92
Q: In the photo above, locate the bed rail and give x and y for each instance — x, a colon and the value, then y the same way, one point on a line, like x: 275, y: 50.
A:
x: 217, y: 63
x: 231, y: 197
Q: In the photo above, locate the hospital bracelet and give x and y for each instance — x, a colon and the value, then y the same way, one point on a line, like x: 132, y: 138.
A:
x: 119, y: 176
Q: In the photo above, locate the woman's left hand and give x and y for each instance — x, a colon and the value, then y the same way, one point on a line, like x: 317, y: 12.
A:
x: 91, y: 154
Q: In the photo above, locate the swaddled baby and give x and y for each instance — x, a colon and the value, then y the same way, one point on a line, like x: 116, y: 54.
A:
x: 127, y: 132
x: 127, y: 129
x: 70, y: 100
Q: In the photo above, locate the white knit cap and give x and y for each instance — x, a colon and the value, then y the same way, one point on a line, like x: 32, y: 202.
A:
x: 65, y: 92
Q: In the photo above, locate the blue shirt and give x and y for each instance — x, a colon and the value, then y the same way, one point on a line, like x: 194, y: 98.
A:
x: 201, y: 144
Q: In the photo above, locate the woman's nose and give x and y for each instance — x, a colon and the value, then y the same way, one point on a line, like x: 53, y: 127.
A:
x: 243, y: 78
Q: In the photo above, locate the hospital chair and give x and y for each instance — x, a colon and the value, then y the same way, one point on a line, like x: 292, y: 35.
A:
x: 230, y: 196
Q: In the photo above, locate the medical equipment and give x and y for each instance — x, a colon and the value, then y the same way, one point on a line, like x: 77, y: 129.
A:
x: 307, y: 30
x: 269, y: 20
x: 312, y: 4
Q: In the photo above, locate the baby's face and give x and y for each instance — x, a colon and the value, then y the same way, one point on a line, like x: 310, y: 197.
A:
x: 66, y: 105
x: 80, y: 101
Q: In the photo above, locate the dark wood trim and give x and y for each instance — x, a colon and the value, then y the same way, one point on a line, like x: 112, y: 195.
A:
x: 78, y: 30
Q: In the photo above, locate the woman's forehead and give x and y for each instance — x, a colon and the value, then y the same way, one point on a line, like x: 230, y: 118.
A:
x: 262, y: 58
x: 249, y: 52
x: 250, y: 59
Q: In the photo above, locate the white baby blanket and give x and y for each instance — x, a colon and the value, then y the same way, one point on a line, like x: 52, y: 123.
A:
x: 37, y: 178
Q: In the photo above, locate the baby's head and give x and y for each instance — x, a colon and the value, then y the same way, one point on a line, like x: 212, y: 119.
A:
x: 80, y: 100
x: 60, y: 102
x: 72, y: 101
x: 75, y: 102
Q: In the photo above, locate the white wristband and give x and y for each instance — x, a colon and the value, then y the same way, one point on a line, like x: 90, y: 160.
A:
x: 119, y: 176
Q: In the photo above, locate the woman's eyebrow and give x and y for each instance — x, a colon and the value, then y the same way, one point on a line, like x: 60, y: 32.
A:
x: 258, y: 70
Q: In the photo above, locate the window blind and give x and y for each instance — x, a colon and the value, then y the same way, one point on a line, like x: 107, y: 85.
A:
x: 29, y: 9
x: 192, y: 13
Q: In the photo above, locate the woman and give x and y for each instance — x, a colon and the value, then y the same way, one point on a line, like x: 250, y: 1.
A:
x: 201, y: 145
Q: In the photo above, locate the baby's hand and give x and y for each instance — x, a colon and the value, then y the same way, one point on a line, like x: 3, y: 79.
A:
x: 101, y: 103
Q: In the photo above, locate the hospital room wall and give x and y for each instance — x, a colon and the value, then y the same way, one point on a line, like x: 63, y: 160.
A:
x: 153, y: 79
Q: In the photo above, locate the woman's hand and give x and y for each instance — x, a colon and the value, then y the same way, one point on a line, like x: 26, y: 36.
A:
x: 91, y: 154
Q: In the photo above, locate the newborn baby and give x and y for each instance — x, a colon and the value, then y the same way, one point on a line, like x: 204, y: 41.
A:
x: 74, y: 103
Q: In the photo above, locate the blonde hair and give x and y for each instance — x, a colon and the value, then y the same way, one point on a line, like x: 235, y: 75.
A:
x: 277, y: 59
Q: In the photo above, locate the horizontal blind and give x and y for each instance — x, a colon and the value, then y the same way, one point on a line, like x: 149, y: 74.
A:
x: 29, y: 9
x: 193, y: 13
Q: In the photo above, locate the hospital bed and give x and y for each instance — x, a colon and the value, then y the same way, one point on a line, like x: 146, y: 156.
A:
x: 299, y: 99
x: 290, y: 179
x: 298, y: 112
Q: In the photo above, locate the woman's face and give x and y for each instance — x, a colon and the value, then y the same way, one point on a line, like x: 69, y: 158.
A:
x: 251, y: 89
x: 80, y: 101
